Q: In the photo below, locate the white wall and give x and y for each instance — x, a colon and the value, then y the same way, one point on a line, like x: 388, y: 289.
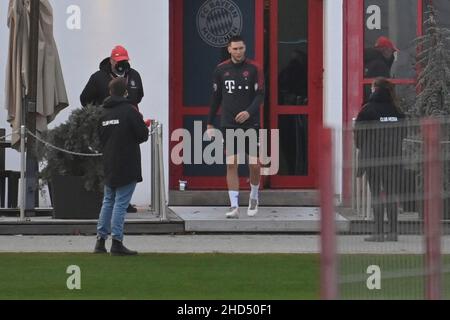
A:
x: 142, y: 26
x: 333, y: 78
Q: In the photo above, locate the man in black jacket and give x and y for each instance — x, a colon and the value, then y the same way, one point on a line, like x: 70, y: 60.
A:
x: 115, y: 66
x: 379, y: 133
x: 378, y: 60
x: 238, y: 87
x: 122, y: 129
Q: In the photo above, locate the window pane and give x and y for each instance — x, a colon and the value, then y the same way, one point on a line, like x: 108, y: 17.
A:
x: 293, y: 52
x: 293, y: 145
x: 443, y: 10
x: 397, y: 22
x: 201, y: 56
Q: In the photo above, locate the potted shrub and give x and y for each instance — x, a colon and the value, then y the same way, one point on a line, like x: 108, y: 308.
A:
x: 75, y: 181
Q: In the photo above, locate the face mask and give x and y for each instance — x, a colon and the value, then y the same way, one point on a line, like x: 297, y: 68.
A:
x: 122, y: 67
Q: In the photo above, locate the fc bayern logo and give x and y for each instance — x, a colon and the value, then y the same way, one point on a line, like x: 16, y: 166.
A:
x: 218, y: 21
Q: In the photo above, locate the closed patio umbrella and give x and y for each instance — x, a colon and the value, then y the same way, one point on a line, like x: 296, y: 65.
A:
x: 51, y: 91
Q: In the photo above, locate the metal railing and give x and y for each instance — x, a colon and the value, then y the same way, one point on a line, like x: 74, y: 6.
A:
x: 158, y: 193
x: 399, y: 225
x: 158, y: 188
x: 411, y: 164
x: 362, y: 203
x: 361, y: 197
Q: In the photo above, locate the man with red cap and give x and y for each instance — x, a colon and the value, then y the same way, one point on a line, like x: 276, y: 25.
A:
x: 379, y: 59
x: 117, y: 65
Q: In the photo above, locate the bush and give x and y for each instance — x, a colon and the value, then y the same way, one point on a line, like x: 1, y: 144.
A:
x: 78, y: 134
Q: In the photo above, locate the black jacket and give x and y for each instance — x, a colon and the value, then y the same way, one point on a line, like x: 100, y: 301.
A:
x: 376, y: 65
x: 379, y: 130
x: 96, y: 90
x: 236, y: 88
x: 122, y: 129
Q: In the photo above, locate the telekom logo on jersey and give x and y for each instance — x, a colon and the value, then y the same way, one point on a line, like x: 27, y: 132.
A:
x: 190, y: 148
x: 230, y: 85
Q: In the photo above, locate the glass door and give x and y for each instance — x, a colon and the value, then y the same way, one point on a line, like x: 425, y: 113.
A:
x: 296, y: 76
x: 201, y: 29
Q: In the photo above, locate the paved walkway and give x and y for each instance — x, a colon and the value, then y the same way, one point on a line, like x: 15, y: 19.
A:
x: 217, y: 244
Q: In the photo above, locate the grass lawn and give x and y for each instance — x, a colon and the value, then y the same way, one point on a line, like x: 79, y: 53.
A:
x: 208, y: 276
x: 402, y: 276
x: 161, y: 276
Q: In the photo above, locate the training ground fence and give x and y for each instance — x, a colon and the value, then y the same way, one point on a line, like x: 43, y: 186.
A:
x: 396, y: 205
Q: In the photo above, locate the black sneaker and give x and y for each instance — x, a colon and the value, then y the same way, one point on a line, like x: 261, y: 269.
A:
x: 100, y: 246
x: 131, y: 209
x: 118, y: 249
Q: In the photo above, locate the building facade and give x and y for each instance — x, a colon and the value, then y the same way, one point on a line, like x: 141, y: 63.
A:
x: 312, y: 52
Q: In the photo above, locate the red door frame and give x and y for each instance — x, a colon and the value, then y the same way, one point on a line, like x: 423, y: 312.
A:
x: 177, y: 111
x: 354, y: 80
x: 314, y: 110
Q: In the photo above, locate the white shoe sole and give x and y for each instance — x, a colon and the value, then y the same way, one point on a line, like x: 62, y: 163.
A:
x: 232, y: 215
x: 252, y: 213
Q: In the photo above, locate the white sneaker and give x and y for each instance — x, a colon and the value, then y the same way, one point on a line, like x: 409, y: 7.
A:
x: 252, y: 208
x: 233, y: 213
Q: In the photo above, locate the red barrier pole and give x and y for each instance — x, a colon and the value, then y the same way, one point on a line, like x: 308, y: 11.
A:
x: 432, y: 207
x: 328, y: 263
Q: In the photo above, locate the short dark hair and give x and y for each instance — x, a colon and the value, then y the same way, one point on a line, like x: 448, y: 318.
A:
x: 383, y: 83
x: 236, y: 38
x: 118, y: 87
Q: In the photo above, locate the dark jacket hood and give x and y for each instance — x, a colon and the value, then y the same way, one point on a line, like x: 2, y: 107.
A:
x: 96, y: 90
x: 372, y: 54
x: 114, y: 101
x: 105, y: 65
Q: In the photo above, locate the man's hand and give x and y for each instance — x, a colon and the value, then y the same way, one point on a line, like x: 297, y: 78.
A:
x: 210, y: 131
x: 242, y: 117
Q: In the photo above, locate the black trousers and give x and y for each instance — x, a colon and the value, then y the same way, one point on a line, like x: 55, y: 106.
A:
x: 384, y: 179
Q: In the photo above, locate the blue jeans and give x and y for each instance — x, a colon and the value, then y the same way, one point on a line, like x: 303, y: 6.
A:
x: 115, y: 204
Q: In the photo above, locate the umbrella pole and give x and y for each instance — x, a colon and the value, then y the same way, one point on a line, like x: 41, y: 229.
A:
x: 22, y: 172
x: 30, y: 111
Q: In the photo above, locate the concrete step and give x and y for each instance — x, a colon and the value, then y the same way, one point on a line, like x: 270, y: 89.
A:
x: 142, y: 222
x: 86, y: 228
x: 15, y: 212
x: 268, y: 220
x: 272, y: 198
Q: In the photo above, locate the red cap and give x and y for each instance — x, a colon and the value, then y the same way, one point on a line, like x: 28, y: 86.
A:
x: 385, y: 42
x: 119, y: 53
